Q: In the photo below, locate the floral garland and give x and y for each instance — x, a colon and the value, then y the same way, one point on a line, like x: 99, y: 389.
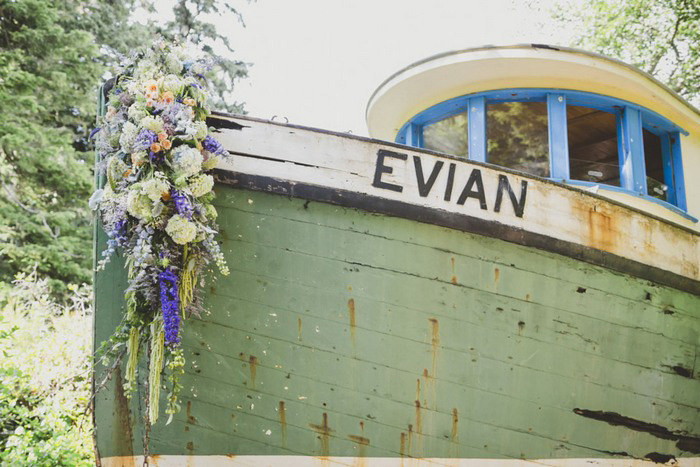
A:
x: 156, y: 206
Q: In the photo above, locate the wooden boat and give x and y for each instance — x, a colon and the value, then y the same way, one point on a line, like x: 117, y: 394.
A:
x: 390, y: 304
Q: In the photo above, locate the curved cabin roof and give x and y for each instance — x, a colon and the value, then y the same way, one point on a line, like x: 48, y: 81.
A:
x: 413, y: 92
x: 451, y: 74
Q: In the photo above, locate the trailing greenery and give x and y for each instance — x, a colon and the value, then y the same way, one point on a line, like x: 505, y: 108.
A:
x: 661, y: 37
x: 44, y: 376
x: 53, y: 56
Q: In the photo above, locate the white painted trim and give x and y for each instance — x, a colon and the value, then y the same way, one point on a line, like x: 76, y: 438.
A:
x: 307, y: 156
x: 299, y: 461
x: 444, y: 76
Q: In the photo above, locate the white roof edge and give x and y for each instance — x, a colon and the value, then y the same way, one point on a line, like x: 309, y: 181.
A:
x: 554, y: 48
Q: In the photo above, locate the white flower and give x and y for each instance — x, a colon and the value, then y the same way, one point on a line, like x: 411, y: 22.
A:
x: 155, y: 124
x: 201, y: 185
x: 173, y: 63
x: 197, y: 68
x: 95, y: 199
x: 155, y: 187
x: 187, y: 160
x: 129, y: 133
x: 137, y: 111
x: 181, y: 230
x: 210, y: 163
x: 201, y: 130
x: 145, y: 70
x: 115, y: 170
x: 171, y: 83
x: 210, y: 211
x: 138, y: 205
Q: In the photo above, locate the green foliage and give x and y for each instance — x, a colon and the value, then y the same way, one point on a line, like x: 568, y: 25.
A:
x: 53, y: 56
x: 45, y: 71
x: 661, y: 37
x: 44, y: 376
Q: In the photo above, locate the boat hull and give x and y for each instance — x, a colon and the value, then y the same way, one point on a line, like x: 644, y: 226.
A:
x: 345, y: 335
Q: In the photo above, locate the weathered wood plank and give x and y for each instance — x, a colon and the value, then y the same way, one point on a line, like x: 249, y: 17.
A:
x: 306, y: 156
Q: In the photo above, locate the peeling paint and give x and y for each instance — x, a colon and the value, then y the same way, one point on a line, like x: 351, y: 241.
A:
x: 684, y: 442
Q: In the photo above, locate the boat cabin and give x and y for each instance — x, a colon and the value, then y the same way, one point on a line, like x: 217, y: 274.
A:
x: 566, y: 115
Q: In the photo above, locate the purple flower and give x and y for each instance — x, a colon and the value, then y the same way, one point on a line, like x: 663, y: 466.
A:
x: 144, y: 140
x: 213, y: 146
x: 182, y: 205
x: 169, y: 306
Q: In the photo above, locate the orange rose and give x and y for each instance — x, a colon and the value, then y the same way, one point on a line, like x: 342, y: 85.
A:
x: 126, y: 173
x: 155, y: 147
x: 166, y: 144
x: 168, y: 97
x: 162, y: 136
x: 165, y: 196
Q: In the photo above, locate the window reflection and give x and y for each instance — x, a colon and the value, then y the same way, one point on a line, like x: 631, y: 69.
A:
x: 448, y: 135
x: 592, y: 145
x: 518, y: 136
x: 653, y: 160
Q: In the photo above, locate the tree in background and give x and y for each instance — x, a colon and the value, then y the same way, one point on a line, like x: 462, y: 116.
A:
x: 661, y: 37
x: 53, y: 56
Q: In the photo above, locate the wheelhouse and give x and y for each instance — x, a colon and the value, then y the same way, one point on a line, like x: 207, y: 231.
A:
x: 561, y: 114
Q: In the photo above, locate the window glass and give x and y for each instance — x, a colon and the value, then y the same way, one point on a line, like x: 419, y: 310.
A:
x: 448, y: 135
x: 517, y: 136
x: 592, y: 138
x: 653, y: 161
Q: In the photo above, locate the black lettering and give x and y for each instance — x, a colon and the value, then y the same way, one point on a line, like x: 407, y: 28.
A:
x: 518, y: 206
x: 450, y: 181
x: 384, y: 169
x: 474, y: 178
x: 423, y: 186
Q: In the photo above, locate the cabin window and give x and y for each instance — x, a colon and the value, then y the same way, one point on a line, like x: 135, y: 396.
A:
x: 573, y: 137
x: 448, y: 135
x: 517, y: 136
x: 592, y: 136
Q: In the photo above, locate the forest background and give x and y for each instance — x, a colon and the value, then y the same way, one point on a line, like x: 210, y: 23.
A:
x: 53, y: 56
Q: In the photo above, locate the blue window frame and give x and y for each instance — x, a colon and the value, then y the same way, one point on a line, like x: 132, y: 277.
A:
x: 632, y: 124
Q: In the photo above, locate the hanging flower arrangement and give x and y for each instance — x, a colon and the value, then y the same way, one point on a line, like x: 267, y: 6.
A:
x: 156, y: 207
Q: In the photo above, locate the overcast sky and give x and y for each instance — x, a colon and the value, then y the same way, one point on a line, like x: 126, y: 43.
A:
x: 317, y: 62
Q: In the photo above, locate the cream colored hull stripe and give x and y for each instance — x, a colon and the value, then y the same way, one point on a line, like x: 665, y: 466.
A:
x: 292, y: 461
x: 304, y: 156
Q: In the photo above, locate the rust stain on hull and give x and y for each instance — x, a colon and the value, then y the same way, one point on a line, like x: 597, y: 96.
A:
x: 419, y: 426
x: 124, y: 438
x: 434, y: 347
x: 253, y: 366
x: 362, y: 444
x: 496, y: 277
x: 351, y: 317
x: 190, y: 419
x: 601, y: 230
x: 299, y: 329
x: 324, y: 432
x: 455, y: 421
x: 283, y: 422
x: 402, y: 444
x: 453, y: 280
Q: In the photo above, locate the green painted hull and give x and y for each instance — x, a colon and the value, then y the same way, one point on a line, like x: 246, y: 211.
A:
x: 345, y: 333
